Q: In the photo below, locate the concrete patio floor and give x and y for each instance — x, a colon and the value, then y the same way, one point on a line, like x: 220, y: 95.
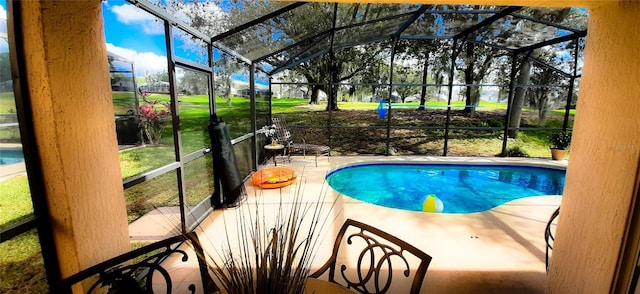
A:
x: 497, y: 251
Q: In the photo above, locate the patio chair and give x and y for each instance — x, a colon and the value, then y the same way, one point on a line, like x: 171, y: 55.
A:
x: 284, y: 137
x: 373, y: 254
x: 142, y: 270
x: 549, y: 236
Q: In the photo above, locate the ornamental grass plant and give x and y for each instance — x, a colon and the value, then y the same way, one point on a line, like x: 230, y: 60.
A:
x: 269, y: 242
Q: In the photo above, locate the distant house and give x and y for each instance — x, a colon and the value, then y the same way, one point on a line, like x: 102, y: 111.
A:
x: 290, y: 91
x: 241, y: 88
x: 157, y: 87
x: 121, y: 72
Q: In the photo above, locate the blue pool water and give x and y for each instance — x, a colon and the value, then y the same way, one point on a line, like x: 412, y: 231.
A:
x: 11, y: 156
x: 461, y: 188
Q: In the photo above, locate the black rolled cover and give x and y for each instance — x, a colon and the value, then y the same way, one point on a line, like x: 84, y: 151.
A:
x: 225, y: 169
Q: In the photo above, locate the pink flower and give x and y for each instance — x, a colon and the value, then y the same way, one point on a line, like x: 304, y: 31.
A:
x: 146, y: 109
x: 152, y: 121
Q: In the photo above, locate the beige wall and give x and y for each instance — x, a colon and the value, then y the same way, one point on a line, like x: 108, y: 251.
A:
x: 70, y: 92
x: 604, y: 154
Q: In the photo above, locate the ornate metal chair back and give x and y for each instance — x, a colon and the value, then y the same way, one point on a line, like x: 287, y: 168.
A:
x: 368, y: 260
x: 143, y: 270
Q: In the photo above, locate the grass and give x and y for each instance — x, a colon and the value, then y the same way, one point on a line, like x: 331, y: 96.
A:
x: 21, y: 265
x: 15, y: 200
x: 10, y: 135
x: 123, y: 102
x: 7, y: 103
x: 8, y: 115
x: 142, y: 159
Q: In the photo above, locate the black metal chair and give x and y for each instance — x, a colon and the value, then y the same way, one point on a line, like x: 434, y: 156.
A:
x: 374, y: 254
x: 549, y: 236
x: 284, y: 137
x: 135, y: 271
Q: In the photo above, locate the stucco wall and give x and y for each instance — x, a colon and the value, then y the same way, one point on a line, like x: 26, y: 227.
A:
x: 604, y: 154
x: 70, y: 93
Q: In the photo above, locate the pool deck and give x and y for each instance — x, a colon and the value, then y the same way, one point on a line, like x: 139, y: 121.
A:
x: 8, y: 171
x: 497, y: 251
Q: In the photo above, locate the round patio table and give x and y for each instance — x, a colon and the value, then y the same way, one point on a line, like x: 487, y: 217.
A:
x: 275, y: 149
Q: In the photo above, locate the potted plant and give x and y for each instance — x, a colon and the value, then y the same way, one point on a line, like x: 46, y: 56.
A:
x: 560, y: 142
x: 270, y: 132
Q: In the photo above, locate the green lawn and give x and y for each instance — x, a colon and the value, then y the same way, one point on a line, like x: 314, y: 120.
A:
x: 15, y: 200
x: 7, y: 103
x: 123, y: 102
x: 21, y: 266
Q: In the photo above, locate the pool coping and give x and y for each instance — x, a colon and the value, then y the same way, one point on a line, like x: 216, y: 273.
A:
x: 521, y: 161
x: 11, y: 170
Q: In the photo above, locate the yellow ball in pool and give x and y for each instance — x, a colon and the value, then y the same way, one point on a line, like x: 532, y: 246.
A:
x: 432, y: 204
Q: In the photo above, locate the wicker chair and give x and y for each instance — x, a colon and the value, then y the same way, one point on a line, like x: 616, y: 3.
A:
x: 370, y: 269
x: 140, y: 270
x: 284, y: 137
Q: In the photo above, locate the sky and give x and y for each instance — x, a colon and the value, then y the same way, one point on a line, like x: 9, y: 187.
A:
x: 135, y: 35
x: 130, y: 33
x: 4, y: 46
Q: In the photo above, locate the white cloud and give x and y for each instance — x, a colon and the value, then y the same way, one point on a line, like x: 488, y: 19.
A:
x: 143, y: 61
x: 4, y: 46
x: 3, y: 12
x: 131, y: 15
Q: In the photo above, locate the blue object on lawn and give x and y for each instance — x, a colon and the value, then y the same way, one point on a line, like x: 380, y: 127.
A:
x: 382, y: 110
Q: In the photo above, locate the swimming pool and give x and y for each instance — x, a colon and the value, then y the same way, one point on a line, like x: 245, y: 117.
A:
x: 456, y: 188
x: 11, y: 155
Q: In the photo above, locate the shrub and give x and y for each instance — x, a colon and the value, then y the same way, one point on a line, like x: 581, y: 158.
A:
x: 516, y: 151
x: 560, y: 140
x: 492, y: 122
x: 151, y: 120
x: 381, y: 148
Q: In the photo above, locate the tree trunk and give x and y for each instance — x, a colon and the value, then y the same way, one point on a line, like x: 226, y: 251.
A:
x: 423, y: 93
x: 472, y: 93
x: 543, y: 108
x: 439, y: 79
x: 332, y: 103
x: 502, y: 94
x: 473, y: 99
x: 228, y: 93
x: 315, y: 94
x: 515, y: 111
